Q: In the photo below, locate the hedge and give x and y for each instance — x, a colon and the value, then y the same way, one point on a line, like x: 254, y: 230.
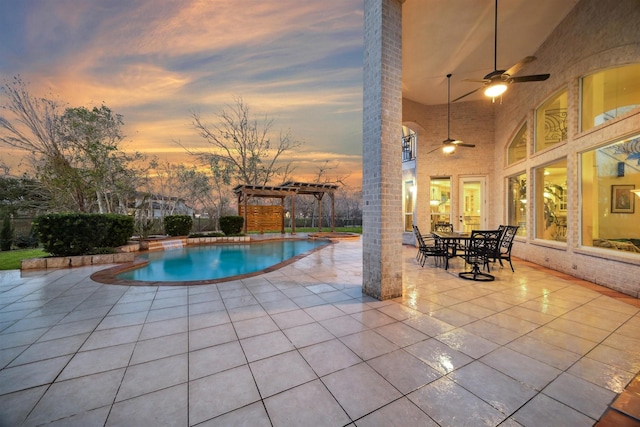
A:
x: 178, y: 225
x: 72, y: 234
x: 231, y: 225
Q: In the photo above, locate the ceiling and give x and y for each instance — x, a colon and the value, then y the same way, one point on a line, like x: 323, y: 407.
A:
x: 457, y: 36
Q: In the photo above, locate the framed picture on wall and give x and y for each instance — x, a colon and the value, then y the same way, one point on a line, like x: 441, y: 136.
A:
x: 622, y: 200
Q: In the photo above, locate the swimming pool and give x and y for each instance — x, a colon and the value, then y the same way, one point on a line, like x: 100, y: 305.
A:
x: 212, y: 263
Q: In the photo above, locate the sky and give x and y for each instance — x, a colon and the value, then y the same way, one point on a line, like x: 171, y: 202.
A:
x: 155, y: 62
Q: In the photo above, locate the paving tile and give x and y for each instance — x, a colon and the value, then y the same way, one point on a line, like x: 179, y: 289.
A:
x: 579, y: 394
x: 160, y: 347
x: 404, y: 371
x: 212, y: 360
x: 359, y: 389
x: 66, y: 398
x: 368, y: 344
x: 255, y: 326
x: 223, y: 392
x: 253, y: 415
x: 329, y: 356
x: 50, y: 349
x: 500, y: 391
x: 281, y: 372
x: 438, y: 398
x: 467, y: 343
x: 305, y: 335
x: 439, y: 356
x: 14, y: 407
x: 266, y: 345
x: 401, y: 412
x: 207, y: 337
x: 164, y: 327
x: 32, y: 374
x: 95, y: 361
x: 523, y: 368
x: 167, y: 407
x: 601, y: 374
x: 310, y: 404
x: 545, y: 411
x: 152, y: 376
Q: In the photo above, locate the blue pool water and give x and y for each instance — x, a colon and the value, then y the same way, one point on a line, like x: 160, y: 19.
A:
x: 211, y: 262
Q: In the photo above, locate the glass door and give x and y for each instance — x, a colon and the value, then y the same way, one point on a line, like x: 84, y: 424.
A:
x: 472, y: 204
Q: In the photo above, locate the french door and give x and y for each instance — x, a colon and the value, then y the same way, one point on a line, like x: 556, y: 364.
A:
x: 472, y: 206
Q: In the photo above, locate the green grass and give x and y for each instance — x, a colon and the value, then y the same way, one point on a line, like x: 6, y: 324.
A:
x: 10, y: 260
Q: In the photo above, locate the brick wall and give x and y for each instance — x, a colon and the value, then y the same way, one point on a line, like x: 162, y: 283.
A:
x: 382, y: 156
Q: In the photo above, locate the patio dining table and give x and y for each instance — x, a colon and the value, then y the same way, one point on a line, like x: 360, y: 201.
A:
x: 452, y: 242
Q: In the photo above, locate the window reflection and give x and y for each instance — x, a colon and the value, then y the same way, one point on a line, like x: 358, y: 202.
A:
x: 610, y: 214
x: 551, y: 201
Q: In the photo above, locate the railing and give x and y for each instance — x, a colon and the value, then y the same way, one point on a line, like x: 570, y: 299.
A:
x: 409, y: 147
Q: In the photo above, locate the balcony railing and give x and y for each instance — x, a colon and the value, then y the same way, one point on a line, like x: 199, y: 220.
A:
x: 409, y: 147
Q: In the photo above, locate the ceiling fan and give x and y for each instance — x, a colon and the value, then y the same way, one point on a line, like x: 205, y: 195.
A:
x: 495, y: 83
x: 449, y: 143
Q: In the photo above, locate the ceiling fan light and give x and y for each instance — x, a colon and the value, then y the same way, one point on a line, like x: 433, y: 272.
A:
x: 449, y: 149
x: 495, y: 89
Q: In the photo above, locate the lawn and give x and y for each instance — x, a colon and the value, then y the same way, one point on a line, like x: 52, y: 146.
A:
x: 10, y: 260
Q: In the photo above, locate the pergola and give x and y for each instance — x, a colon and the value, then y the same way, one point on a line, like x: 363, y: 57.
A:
x: 288, y: 189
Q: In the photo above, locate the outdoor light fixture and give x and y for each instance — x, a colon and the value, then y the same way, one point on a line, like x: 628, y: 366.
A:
x: 449, y: 149
x: 495, y: 89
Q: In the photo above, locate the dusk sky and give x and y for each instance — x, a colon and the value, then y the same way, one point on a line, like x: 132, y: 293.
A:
x: 156, y: 61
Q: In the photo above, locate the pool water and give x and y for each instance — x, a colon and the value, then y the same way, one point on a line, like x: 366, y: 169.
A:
x: 193, y: 263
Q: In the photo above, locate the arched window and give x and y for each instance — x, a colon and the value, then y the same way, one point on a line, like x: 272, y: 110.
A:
x: 551, y: 121
x: 609, y: 93
x: 518, y: 148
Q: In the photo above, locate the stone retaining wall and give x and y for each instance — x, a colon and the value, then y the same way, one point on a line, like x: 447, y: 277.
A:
x: 125, y: 253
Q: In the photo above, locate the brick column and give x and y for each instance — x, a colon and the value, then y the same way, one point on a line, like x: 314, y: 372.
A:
x: 382, y: 149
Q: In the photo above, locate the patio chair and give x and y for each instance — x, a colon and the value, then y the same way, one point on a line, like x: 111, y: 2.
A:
x: 480, y: 249
x: 503, y: 250
x: 444, y: 227
x: 428, y: 246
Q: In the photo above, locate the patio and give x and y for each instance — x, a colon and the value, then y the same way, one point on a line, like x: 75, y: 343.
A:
x: 302, y: 346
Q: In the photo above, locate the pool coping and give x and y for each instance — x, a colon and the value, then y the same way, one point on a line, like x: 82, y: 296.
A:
x: 108, y: 275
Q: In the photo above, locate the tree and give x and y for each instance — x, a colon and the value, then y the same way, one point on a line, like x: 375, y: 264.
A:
x: 242, y: 147
x: 91, y: 139
x: 75, y: 155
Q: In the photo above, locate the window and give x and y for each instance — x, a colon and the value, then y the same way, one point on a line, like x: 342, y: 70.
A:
x: 518, y: 148
x: 440, y: 201
x: 517, y: 202
x: 609, y: 93
x: 550, y: 198
x: 609, y: 175
x: 551, y: 121
x: 409, y: 199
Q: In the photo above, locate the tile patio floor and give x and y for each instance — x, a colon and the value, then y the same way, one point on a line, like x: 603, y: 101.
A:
x: 302, y: 346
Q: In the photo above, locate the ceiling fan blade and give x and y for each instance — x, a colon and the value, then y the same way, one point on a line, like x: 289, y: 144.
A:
x: 517, y: 67
x: 462, y: 144
x: 531, y: 78
x: 476, y: 80
x: 466, y: 94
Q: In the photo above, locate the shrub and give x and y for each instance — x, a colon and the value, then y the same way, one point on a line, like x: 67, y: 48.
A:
x: 80, y: 234
x: 178, y: 225
x: 6, y: 233
x: 231, y: 225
